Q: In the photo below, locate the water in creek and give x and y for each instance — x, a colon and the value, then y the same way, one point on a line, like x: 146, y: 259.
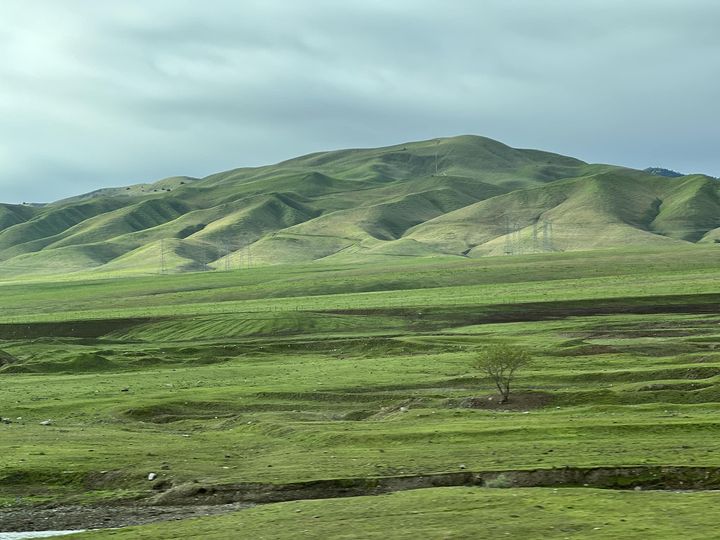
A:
x: 34, y: 534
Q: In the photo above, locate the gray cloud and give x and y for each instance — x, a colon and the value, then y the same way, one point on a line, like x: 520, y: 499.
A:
x: 97, y: 93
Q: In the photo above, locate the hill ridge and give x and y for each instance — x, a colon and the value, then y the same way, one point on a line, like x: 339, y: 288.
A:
x: 464, y: 196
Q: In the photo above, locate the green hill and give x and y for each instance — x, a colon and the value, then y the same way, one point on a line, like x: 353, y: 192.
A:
x: 462, y: 196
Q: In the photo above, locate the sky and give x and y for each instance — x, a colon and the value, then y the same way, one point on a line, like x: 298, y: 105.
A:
x: 96, y: 94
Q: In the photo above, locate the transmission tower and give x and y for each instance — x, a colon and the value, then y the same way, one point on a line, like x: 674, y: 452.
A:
x: 508, y: 237
x: 163, y: 269
x: 548, y: 236
x: 517, y: 240
x: 226, y: 250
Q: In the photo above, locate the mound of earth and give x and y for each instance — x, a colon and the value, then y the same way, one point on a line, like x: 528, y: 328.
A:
x: 520, y: 401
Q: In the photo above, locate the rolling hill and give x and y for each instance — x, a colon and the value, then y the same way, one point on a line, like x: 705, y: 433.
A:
x: 465, y: 196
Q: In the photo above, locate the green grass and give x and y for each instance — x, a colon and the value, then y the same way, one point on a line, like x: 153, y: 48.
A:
x: 406, y: 283
x: 281, y: 408
x: 338, y: 371
x: 459, y: 513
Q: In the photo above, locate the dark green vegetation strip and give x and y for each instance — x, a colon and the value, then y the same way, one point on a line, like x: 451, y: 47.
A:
x: 540, y: 311
x: 78, y: 329
x: 436, y: 319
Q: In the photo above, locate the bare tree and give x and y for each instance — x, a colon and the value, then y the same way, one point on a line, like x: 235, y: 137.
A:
x: 499, y: 363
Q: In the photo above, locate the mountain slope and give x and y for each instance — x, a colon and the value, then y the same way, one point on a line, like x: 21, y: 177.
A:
x: 462, y: 196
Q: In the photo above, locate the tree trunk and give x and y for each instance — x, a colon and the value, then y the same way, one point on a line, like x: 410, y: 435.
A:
x: 505, y: 392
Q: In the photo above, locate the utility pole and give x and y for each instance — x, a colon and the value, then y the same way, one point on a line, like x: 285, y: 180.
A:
x: 535, y: 247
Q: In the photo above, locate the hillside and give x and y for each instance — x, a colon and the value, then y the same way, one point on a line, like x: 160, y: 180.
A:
x: 460, y: 196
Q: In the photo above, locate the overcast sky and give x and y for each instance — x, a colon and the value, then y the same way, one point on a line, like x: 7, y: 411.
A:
x: 96, y: 93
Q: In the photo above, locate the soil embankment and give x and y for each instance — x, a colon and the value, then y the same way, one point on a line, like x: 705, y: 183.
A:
x: 196, y: 499
x: 643, y: 477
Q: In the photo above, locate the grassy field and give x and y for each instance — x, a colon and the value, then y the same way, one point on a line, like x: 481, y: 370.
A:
x: 459, y: 513
x: 294, y: 373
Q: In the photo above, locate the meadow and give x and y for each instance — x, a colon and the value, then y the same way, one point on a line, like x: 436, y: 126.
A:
x: 299, y: 373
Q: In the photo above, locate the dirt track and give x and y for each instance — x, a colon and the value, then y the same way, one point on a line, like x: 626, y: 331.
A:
x: 101, y: 517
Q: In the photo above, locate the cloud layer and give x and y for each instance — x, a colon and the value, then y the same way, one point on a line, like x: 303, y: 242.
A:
x: 94, y: 94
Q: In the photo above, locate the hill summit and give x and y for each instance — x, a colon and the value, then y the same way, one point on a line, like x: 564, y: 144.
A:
x: 465, y: 196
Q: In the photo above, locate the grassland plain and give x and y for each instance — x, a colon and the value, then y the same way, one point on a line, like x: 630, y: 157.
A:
x: 530, y: 514
x: 332, y: 371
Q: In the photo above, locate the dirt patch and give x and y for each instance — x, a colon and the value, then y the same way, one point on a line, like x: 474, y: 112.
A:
x: 164, y: 413
x: 642, y: 477
x: 521, y: 401
x: 587, y: 349
x: 102, y: 517
x: 684, y: 387
x: 103, y: 479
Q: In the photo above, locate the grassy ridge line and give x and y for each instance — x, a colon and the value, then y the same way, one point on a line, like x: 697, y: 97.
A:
x: 440, y: 197
x: 645, y: 285
x: 248, y: 205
